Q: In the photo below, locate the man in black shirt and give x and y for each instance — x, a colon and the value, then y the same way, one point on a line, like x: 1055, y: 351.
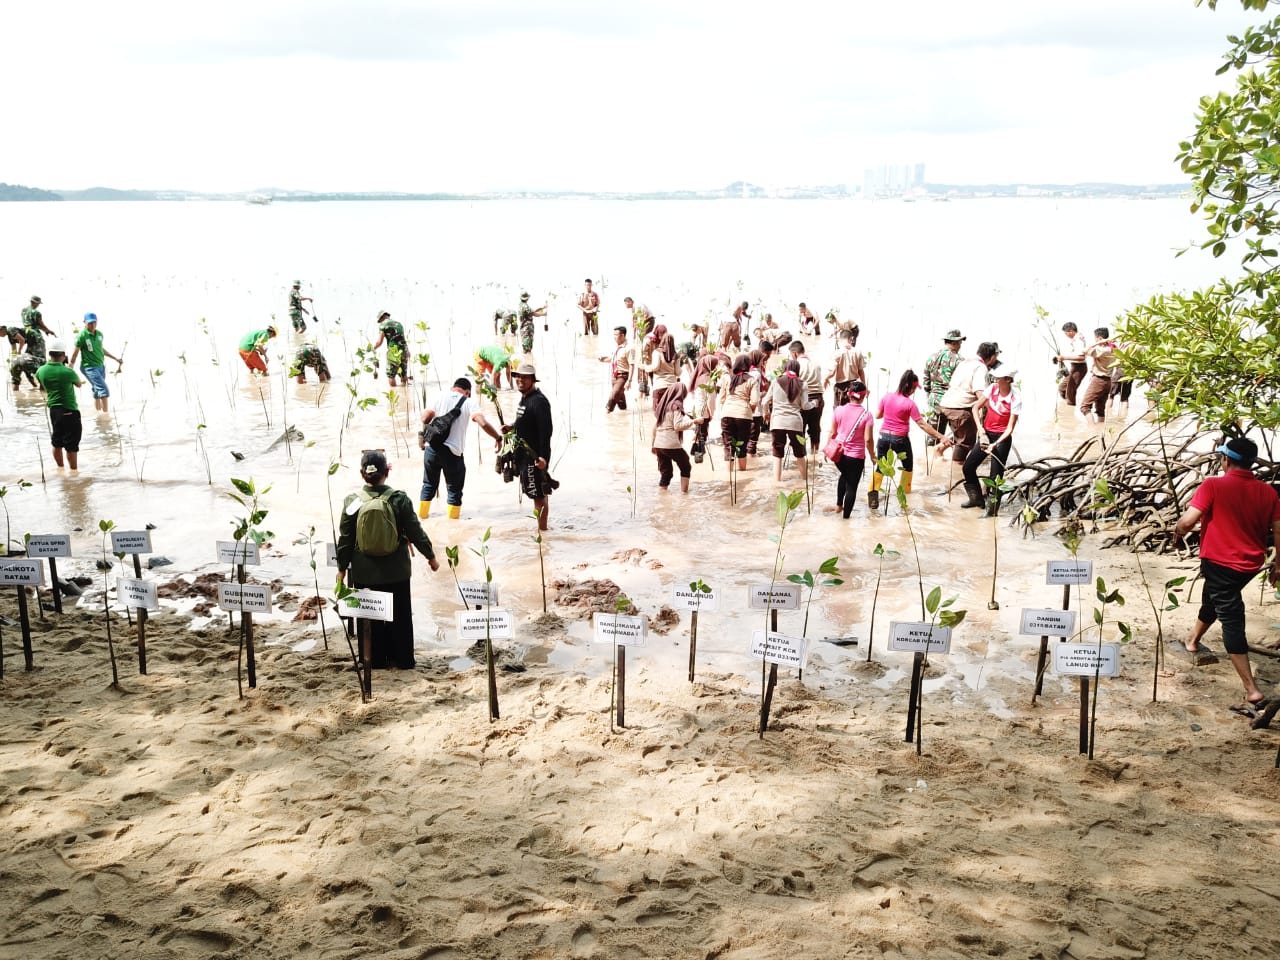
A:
x: 532, y: 429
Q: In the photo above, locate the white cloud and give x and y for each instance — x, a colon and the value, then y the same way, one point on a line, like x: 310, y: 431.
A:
x: 394, y: 94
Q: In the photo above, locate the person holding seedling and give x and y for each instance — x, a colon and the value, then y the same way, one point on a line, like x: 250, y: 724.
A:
x: 527, y: 313
x: 310, y: 355
x: 93, y: 364
x: 622, y: 367
x: 897, y: 410
x: 59, y: 382
x: 33, y: 319
x: 530, y: 434
x: 376, y: 537
x: 391, y: 333
x: 1236, y: 513
x: 670, y: 420
x: 493, y: 361
x: 253, y: 349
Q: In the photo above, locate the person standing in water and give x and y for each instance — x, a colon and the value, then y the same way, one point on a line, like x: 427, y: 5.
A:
x: 392, y: 333
x: 589, y: 304
x: 532, y: 431
x: 297, y: 312
x: 59, y: 383
x: 94, y: 364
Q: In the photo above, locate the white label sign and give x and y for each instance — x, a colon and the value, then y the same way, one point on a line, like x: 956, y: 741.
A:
x: 624, y: 631
x: 137, y: 593
x: 476, y: 593
x: 1048, y: 623
x: 786, y: 596
x: 14, y: 573
x: 1068, y: 571
x: 130, y: 541
x: 919, y: 637
x: 471, y: 624
x: 242, y: 553
x: 1082, y: 660
x: 372, y: 606
x: 683, y: 597
x: 330, y: 554
x: 245, y: 597
x: 779, y: 648
x: 49, y: 545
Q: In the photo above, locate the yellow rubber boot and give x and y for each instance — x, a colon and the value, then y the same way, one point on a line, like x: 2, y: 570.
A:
x: 424, y: 509
x: 906, y: 481
x: 877, y: 480
x: 454, y: 512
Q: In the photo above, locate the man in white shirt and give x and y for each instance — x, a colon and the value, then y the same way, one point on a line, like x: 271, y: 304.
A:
x: 446, y: 456
x: 957, y: 404
x: 1073, y: 356
x: 811, y: 405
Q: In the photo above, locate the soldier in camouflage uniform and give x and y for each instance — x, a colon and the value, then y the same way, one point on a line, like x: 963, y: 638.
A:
x: 392, y: 333
x: 527, y: 313
x: 309, y: 355
x: 30, y: 360
x: 937, y: 377
x: 504, y: 322
x: 33, y: 318
x: 297, y: 312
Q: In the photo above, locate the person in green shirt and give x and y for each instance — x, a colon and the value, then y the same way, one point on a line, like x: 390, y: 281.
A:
x: 493, y: 361
x: 59, y: 382
x: 253, y: 349
x: 93, y: 363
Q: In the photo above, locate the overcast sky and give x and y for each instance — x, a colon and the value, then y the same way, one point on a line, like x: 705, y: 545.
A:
x: 417, y: 95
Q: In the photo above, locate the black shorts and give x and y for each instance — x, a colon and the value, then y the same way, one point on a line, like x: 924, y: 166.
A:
x: 66, y: 428
x: 533, y: 481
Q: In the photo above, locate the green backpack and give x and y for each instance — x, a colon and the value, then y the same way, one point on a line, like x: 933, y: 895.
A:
x: 377, y: 534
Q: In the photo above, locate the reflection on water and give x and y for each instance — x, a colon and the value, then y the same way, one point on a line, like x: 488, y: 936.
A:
x: 186, y: 416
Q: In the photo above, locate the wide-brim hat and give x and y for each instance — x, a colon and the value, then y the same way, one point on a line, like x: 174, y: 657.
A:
x: 36, y: 300
x: 953, y: 336
x: 526, y: 369
x: 524, y: 296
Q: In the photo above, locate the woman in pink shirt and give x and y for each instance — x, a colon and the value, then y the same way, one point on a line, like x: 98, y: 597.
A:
x: 898, y: 410
x: 852, y: 424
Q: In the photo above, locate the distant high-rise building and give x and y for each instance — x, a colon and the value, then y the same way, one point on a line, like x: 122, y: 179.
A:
x: 891, y: 180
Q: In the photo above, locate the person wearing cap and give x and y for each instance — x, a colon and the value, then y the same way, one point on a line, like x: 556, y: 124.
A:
x: 297, y: 312
x: 959, y: 401
x: 309, y: 355
x: 1100, y: 356
x: 59, y: 383
x: 1002, y: 404
x: 938, y: 370
x: 527, y: 313
x: 32, y: 318
x: 93, y: 363
x: 589, y: 304
x: 531, y: 430
x: 449, y: 458
x: 391, y: 333
x: 849, y: 365
x: 1073, y: 355
x: 1236, y: 513
x: 31, y: 342
x: 253, y: 349
x: 853, y: 425
x: 392, y: 640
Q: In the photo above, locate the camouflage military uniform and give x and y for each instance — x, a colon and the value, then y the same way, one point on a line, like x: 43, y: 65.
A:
x: 393, y: 332
x: 309, y: 355
x: 504, y: 321
x: 35, y: 356
x: 526, y: 328
x: 295, y: 311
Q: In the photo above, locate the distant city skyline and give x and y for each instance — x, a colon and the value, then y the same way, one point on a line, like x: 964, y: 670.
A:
x: 499, y: 95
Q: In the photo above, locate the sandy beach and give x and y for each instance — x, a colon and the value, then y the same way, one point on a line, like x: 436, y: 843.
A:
x: 170, y: 819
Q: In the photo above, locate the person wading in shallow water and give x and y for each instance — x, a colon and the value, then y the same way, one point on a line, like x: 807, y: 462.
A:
x: 589, y: 304
x: 1235, y: 512
x: 532, y: 430
x: 59, y: 383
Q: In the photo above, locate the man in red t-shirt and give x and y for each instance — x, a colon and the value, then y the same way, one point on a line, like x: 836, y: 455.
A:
x: 1236, y: 511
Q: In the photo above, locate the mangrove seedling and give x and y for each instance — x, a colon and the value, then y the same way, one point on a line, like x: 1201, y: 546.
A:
x: 483, y: 553
x: 940, y: 615
x: 542, y: 567
x: 830, y: 570
x: 994, y: 488
x: 315, y: 578
x: 451, y: 556
x: 901, y: 493
x: 1126, y: 634
x: 8, y: 532
x: 106, y: 526
x: 787, y: 504
x: 880, y: 553
x: 247, y: 527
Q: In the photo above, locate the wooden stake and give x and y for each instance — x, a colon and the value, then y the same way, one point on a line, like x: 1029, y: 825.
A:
x: 142, y: 623
x: 913, y: 698
x: 53, y: 581
x: 622, y: 685
x: 24, y: 619
x: 693, y: 642
x: 1042, y: 658
x: 773, y: 678
x: 246, y: 624
x: 1084, y: 717
x: 366, y: 659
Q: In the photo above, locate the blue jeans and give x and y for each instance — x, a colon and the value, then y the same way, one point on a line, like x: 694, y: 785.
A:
x: 97, y: 377
x: 455, y: 474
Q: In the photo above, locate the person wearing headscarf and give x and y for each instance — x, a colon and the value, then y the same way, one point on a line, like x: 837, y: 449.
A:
x: 702, y: 389
x: 781, y: 407
x: 670, y: 420
x: 738, y: 401
x: 853, y: 426
x: 663, y: 366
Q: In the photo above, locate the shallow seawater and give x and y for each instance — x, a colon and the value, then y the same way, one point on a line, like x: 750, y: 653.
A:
x: 176, y: 285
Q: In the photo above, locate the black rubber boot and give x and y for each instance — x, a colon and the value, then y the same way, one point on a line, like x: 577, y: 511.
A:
x: 974, y: 490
